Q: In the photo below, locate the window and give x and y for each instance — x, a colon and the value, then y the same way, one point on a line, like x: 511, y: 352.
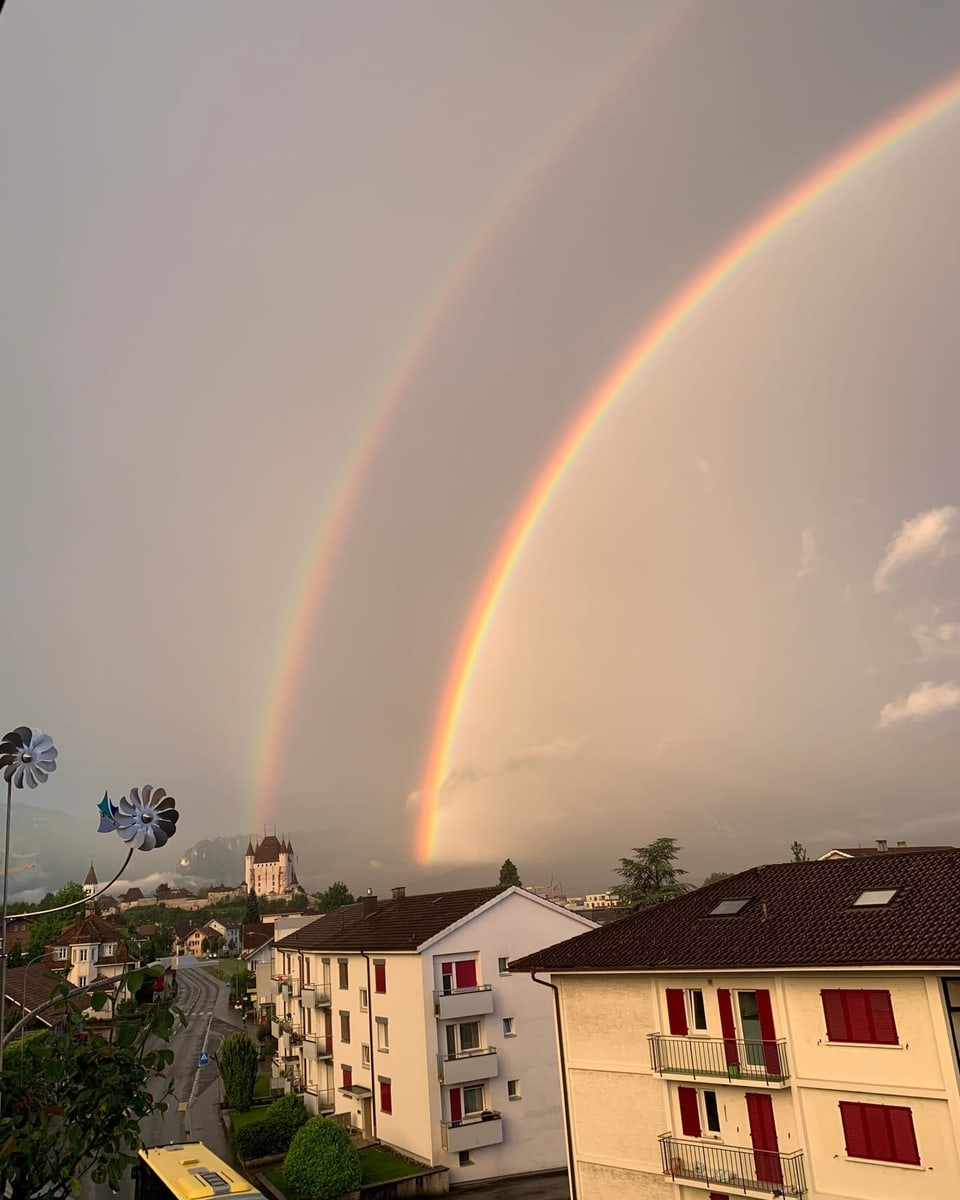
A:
x: 347, y: 1073
x: 458, y: 976
x: 463, y: 1038
x: 503, y: 966
x: 365, y: 1054
x: 364, y: 1000
x: 306, y: 970
x: 344, y: 975
x: 859, y: 1016
x: 698, y: 1013
x: 379, y: 975
x: 875, y: 898
x: 82, y: 981
x: 383, y: 1034
x: 344, y: 1027
x: 513, y: 1089
x: 508, y: 1027
x: 677, y: 1012
x: 689, y: 1111
x: 307, y: 1019
x: 108, y: 950
x: 61, y: 952
x: 728, y: 908
x: 473, y: 1101
x: 386, y: 1095
x: 82, y: 954
x: 711, y: 1112
x: 465, y: 1159
x: 883, y: 1132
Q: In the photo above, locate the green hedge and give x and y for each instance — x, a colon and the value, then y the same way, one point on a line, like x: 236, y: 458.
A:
x: 274, y: 1133
x: 322, y: 1162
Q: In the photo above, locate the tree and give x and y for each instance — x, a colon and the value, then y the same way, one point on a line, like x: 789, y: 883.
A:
x: 652, y: 875
x: 336, y: 895
x: 322, y: 1162
x: 251, y: 914
x: 70, y: 1108
x: 798, y: 852
x: 509, y: 875
x: 715, y: 877
x: 237, y: 1064
x: 15, y: 957
x: 162, y: 890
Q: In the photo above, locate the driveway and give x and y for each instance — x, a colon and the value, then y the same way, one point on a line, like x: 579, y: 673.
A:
x: 534, y: 1187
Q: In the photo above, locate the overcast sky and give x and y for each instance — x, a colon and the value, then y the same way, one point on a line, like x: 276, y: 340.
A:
x: 739, y: 622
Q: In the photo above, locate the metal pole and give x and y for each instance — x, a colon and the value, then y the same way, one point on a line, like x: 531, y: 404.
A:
x: 3, y: 931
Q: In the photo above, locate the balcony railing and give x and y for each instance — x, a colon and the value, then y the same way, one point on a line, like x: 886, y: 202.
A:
x: 733, y: 1168
x: 469, y: 1066
x: 317, y: 994
x: 484, y: 1130
x: 317, y: 1046
x: 465, y: 1002
x: 325, y: 1098
x: 287, y: 984
x: 730, y: 1059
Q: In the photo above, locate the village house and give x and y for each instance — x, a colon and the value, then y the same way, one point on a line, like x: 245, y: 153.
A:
x: 401, y: 1017
x: 790, y: 1031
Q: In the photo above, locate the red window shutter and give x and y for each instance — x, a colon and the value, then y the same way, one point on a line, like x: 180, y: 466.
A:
x: 880, y: 1011
x: 834, y: 1015
x: 347, y: 1077
x: 768, y: 1033
x: 859, y: 1027
x: 380, y: 977
x: 386, y: 1098
x: 854, y: 1129
x: 689, y: 1112
x: 677, y: 1012
x: 879, y: 1143
x: 717, y: 1196
x: 466, y: 974
x: 456, y: 1105
x: 728, y: 1027
x: 902, y: 1136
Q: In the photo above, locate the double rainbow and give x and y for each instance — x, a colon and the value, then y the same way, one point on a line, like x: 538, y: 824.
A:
x: 668, y: 321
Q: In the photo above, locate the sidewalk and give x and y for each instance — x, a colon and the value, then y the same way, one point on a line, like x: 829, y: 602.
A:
x: 555, y: 1186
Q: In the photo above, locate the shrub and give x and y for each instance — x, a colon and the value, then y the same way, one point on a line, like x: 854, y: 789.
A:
x: 237, y: 1062
x: 322, y: 1163
x: 275, y: 1132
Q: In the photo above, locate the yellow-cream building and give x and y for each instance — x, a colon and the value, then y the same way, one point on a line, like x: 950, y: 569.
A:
x: 791, y: 1031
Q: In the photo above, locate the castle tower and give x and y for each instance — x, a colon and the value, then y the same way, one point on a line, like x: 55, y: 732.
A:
x: 248, y: 866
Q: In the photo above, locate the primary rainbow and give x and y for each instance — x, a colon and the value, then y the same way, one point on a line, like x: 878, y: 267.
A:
x: 668, y: 320
x: 325, y: 544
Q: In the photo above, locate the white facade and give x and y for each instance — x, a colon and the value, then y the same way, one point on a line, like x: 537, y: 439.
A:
x: 465, y: 1076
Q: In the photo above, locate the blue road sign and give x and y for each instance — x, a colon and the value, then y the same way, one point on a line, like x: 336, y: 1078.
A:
x: 204, y: 1058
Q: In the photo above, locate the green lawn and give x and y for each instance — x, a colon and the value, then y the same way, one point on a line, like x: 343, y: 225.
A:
x: 226, y: 969
x: 239, y: 1119
x: 377, y: 1165
x: 262, y: 1087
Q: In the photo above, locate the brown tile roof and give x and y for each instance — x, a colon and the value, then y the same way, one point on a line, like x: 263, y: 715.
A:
x: 29, y: 987
x: 85, y: 931
x: 873, y: 851
x: 394, y: 925
x: 799, y: 915
x: 268, y: 850
x: 255, y: 934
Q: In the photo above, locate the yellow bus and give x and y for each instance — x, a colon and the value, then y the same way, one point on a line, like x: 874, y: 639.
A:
x: 187, y: 1171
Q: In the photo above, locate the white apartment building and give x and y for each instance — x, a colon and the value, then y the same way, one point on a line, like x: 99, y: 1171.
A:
x: 791, y: 1031
x: 402, y: 1015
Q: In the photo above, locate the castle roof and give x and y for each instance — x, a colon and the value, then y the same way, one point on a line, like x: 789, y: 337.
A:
x: 249, y: 852
x: 268, y: 851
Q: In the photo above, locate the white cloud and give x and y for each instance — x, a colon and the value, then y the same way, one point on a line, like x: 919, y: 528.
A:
x: 937, y: 640
x: 927, y: 535
x: 808, y: 552
x: 927, y: 700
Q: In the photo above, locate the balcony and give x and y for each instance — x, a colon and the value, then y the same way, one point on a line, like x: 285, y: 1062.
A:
x: 732, y: 1168
x: 317, y: 1047
x: 469, y: 1067
x: 317, y: 994
x: 754, y: 1064
x: 286, y: 985
x: 467, y: 1002
x: 324, y: 1098
x: 471, y: 1134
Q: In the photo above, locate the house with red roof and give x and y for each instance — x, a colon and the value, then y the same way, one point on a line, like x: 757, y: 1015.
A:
x: 790, y: 1031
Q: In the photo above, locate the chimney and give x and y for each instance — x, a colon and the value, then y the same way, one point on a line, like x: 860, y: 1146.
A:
x: 901, y: 845
x: 369, y: 902
x: 398, y: 893
x: 882, y: 845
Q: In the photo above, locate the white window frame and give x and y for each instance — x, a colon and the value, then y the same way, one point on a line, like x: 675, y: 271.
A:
x: 365, y: 1053
x: 513, y: 1090
x: 460, y: 1051
x: 692, y: 1012
x: 474, y: 1087
x: 364, y: 1000
x: 503, y: 964
x: 509, y: 1027
x: 383, y: 1035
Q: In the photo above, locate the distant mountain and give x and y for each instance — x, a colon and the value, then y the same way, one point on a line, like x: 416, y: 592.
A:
x: 215, y: 860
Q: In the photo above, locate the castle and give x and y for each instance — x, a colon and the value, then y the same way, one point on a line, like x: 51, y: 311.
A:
x: 270, y: 868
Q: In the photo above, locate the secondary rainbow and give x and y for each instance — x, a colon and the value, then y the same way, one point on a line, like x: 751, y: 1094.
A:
x: 668, y: 320
x: 316, y: 569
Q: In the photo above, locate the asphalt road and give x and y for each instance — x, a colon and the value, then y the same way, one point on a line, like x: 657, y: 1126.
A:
x: 192, y: 1113
x: 543, y: 1187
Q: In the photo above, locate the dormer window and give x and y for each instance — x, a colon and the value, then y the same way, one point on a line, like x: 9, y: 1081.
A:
x: 875, y: 898
x: 108, y: 949
x: 61, y: 952
x: 729, y: 908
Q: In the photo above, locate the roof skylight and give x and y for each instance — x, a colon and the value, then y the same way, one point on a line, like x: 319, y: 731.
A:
x: 875, y: 898
x: 728, y: 908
